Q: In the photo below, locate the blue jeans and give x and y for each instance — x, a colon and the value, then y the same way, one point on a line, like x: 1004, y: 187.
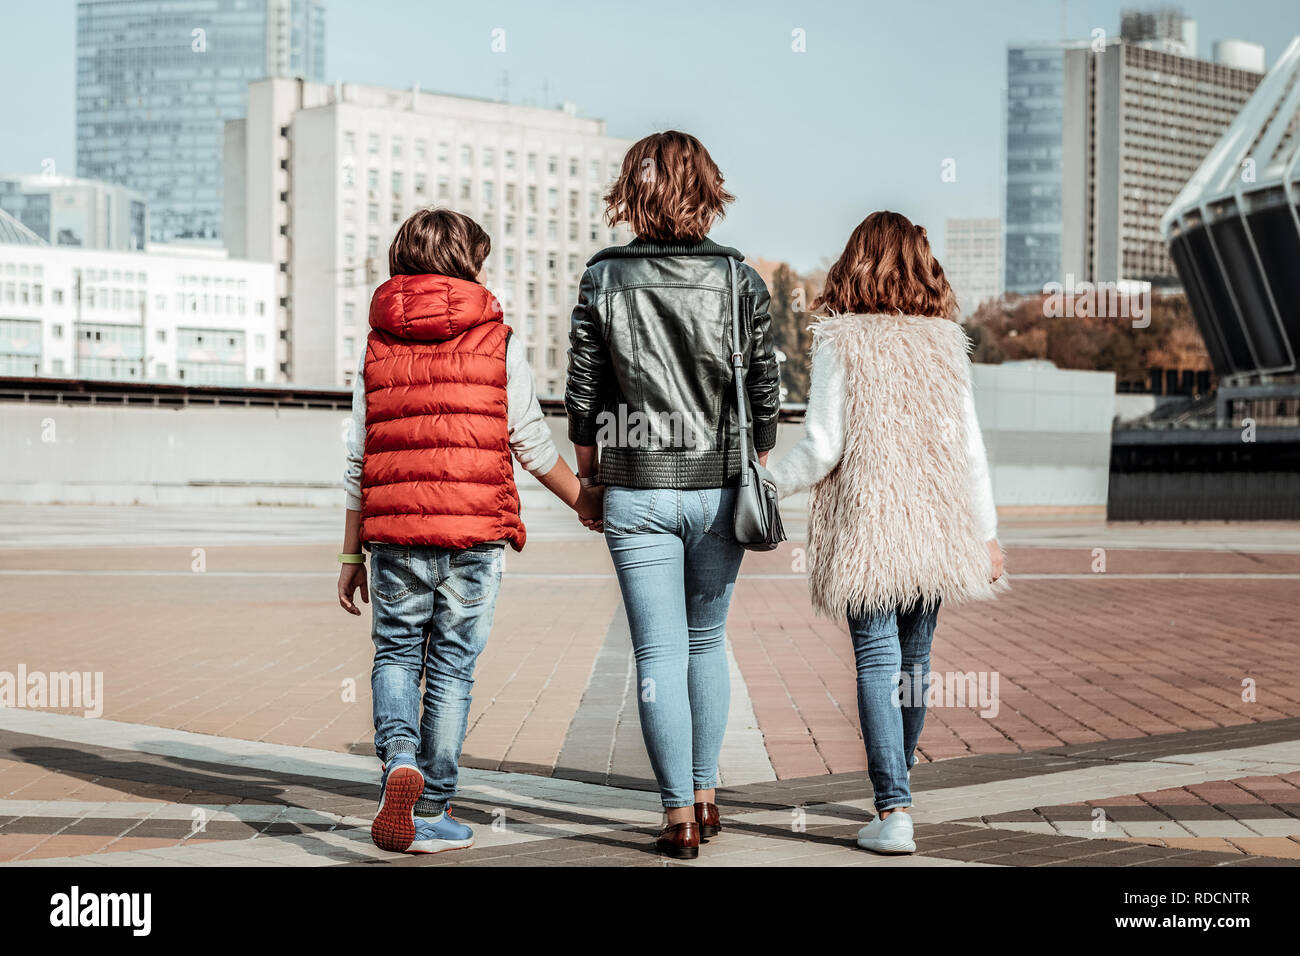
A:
x: 888, y: 649
x: 432, y: 615
x: 677, y: 559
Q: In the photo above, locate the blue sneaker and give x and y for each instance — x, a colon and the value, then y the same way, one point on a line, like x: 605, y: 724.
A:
x: 443, y: 832
x: 394, y: 826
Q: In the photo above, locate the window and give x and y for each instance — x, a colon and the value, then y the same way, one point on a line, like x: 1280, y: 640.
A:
x: 532, y: 162
x: 467, y: 155
x: 161, y: 335
x: 510, y: 159
x: 372, y: 144
x: 489, y: 157
x: 56, y: 330
x: 466, y: 190
x: 421, y: 150
x: 444, y: 152
x: 372, y: 179
x: 397, y: 148
x: 573, y: 167
x: 552, y: 164
x: 349, y: 143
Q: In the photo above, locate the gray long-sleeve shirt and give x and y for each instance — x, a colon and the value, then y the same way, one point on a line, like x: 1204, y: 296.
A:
x: 530, y: 439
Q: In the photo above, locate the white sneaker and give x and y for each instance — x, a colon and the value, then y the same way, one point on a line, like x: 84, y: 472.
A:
x: 893, y: 834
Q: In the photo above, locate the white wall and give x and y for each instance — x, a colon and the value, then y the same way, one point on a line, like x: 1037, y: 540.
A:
x: 1047, y: 432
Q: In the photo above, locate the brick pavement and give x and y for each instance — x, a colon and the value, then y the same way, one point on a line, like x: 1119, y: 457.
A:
x: 1154, y: 649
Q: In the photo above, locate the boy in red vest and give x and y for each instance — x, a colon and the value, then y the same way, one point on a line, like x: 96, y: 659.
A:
x: 443, y: 400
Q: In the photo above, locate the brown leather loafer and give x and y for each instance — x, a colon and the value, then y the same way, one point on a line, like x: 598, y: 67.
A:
x: 708, y: 819
x: 680, y: 841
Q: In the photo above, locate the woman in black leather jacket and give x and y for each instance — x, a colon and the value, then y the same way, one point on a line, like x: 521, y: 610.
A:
x: 652, y: 416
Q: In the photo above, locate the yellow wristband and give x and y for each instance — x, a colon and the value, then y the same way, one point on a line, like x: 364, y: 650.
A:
x: 352, y: 559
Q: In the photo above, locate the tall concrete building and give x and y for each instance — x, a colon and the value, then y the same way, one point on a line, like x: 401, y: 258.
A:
x: 77, y: 212
x: 156, y: 81
x: 319, y: 177
x: 1140, y: 120
x: 972, y: 260
x: 1100, y: 137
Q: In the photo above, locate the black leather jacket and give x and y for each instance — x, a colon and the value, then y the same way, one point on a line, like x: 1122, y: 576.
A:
x: 650, y: 378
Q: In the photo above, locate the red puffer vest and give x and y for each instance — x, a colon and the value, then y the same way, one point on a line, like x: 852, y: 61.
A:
x: 437, y: 468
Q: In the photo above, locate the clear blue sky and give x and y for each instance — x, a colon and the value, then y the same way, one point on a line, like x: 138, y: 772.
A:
x: 809, y: 142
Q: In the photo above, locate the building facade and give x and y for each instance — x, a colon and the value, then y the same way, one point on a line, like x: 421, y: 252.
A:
x: 1140, y: 120
x: 77, y: 212
x: 161, y: 315
x: 319, y: 177
x: 1100, y: 136
x: 156, y: 81
x: 1034, y: 124
x: 972, y: 260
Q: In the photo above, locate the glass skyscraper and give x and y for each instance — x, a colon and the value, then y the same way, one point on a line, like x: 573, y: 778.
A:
x: 156, y: 82
x: 1034, y: 155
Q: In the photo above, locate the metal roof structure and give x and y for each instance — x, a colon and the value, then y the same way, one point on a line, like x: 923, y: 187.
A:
x: 14, y: 232
x: 1234, y: 232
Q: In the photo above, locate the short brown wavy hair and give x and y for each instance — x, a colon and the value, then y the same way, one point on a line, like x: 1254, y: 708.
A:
x: 439, y: 242
x: 887, y: 267
x: 669, y: 188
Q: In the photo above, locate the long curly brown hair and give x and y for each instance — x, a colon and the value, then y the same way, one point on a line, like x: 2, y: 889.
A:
x: 887, y: 266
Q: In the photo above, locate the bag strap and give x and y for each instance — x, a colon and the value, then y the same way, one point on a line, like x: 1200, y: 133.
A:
x: 737, y: 373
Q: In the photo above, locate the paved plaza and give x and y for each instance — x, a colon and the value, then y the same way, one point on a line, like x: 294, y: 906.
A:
x: 1138, y: 703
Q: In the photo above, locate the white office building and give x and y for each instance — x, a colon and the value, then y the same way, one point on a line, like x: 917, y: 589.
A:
x: 162, y: 315
x: 319, y: 177
x: 972, y: 260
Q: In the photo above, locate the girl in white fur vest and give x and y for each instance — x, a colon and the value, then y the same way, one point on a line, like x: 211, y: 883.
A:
x: 901, y: 514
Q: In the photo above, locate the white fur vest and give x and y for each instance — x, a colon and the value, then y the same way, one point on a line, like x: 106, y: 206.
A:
x: 894, y: 522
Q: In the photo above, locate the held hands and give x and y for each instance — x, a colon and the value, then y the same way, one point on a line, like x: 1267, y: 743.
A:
x: 351, y: 577
x: 590, y: 507
x: 995, y: 557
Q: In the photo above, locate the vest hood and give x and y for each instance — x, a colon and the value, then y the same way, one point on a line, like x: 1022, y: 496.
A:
x: 431, y: 308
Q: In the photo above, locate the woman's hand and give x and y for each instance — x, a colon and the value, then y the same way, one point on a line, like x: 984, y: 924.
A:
x: 995, y: 558
x: 591, y: 508
x: 351, y: 577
